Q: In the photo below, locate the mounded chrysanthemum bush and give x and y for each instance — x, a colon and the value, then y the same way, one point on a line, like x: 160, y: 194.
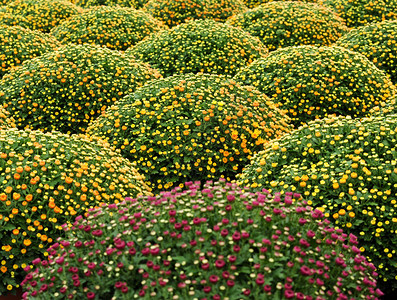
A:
x: 122, y: 3
x: 114, y: 27
x: 12, y: 20
x: 18, y: 44
x: 216, y: 242
x: 65, y: 89
x: 199, y: 46
x: 280, y: 24
x: 312, y: 82
x: 46, y: 179
x: 362, y: 12
x: 175, y: 12
x: 376, y: 41
x: 190, y: 126
x: 42, y: 14
x: 347, y: 168
x: 255, y: 3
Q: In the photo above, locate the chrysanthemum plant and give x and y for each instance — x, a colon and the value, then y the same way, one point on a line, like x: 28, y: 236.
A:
x: 215, y: 242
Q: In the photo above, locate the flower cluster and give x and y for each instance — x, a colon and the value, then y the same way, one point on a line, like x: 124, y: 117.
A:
x: 313, y: 82
x: 190, y: 126
x: 255, y: 3
x: 175, y: 12
x: 6, y: 121
x: 348, y: 168
x: 376, y: 41
x: 18, y: 44
x: 122, y: 3
x: 220, y: 242
x: 47, y: 179
x: 280, y: 24
x: 114, y: 27
x: 65, y: 89
x: 362, y: 12
x: 199, y: 46
x: 12, y: 20
x: 42, y: 14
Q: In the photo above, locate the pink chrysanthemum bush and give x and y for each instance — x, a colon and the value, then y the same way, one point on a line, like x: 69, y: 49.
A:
x: 218, y: 242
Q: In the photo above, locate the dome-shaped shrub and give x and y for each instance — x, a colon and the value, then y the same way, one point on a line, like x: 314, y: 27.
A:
x: 175, y: 12
x: 123, y: 3
x: 313, y: 82
x: 255, y: 3
x: 113, y: 27
x: 42, y: 14
x: 18, y: 44
x: 199, y: 46
x: 65, y: 89
x: 190, y: 126
x: 220, y: 242
x: 347, y: 167
x: 12, y: 20
x: 281, y: 24
x: 362, y: 12
x: 376, y: 41
x: 45, y: 180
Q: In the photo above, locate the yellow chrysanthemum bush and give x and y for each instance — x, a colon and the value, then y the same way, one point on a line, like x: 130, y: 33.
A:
x: 6, y: 121
x: 199, y: 46
x: 312, y: 82
x: 18, y: 44
x: 255, y: 3
x: 65, y: 89
x: 215, y: 242
x: 114, y: 27
x: 12, y: 20
x: 42, y: 14
x: 376, y: 41
x: 280, y: 24
x: 190, y: 127
x: 347, y: 168
x: 122, y: 3
x: 175, y: 12
x: 46, y: 180
x: 362, y: 12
